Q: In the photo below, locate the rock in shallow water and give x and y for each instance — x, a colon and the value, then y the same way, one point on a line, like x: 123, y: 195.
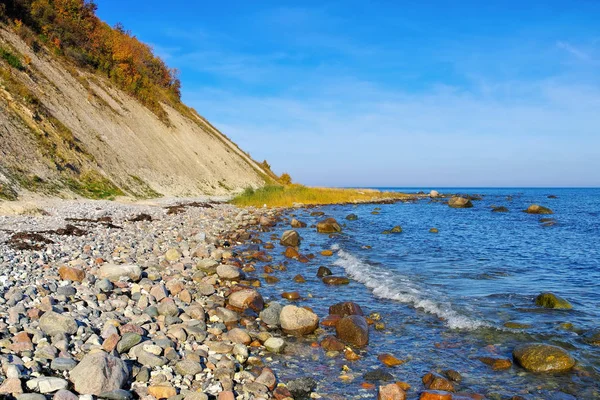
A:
x: 290, y: 238
x: 298, y: 321
x: 459, y: 202
x: 539, y: 357
x: 550, y: 300
x: 353, y: 330
x: 537, y: 209
x: 330, y: 225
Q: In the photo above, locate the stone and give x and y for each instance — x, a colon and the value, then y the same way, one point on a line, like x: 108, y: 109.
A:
x: 327, y: 253
x: 172, y: 255
x: 331, y: 343
x: 71, y: 274
x: 301, y: 388
x: 550, y: 300
x: 270, y: 315
x: 389, y: 360
x: 335, y: 280
x: 592, y: 337
x: 434, y: 230
x: 11, y: 386
x: 229, y: 272
x: 47, y: 384
x: 291, y: 252
x: 195, y: 396
x: 148, y: 359
x: 237, y: 335
x: 290, y: 295
x: 299, y: 279
x: 434, y: 381
x: 290, y: 238
x: 329, y: 225
x: 378, y: 375
x: 31, y: 396
x: 500, y: 209
x: 188, y: 367
x: 297, y: 224
x: 537, y: 209
x: 353, y: 330
x: 298, y: 321
x: 162, y: 391
x: 246, y: 298
x: 539, y: 357
x: 435, y: 395
x: 345, y: 308
x: 323, y: 271
x: 433, y: 194
x: 99, y: 372
x: 267, y: 378
x: 391, y: 392
x: 274, y: 344
x: 63, y: 364
x: 52, y: 323
x: 226, y: 395
x: 114, y: 272
x: 351, y: 217
x: 459, y: 202
x: 118, y: 394
x: 64, y: 394
x: 497, y: 363
x: 128, y: 340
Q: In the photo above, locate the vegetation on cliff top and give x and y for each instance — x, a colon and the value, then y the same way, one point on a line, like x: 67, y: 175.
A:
x: 71, y: 29
x: 288, y: 195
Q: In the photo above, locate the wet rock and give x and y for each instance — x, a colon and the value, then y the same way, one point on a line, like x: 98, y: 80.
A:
x: 297, y: 224
x: 434, y: 230
x: 550, y: 300
x: 52, y: 323
x: 329, y: 225
x: 391, y: 392
x: 323, y: 271
x: 537, y: 209
x: 389, y: 360
x: 353, y: 330
x: 435, y: 395
x: 500, y: 209
x: 395, y: 229
x: 274, y: 345
x: 434, y: 381
x: 433, y: 194
x: 299, y: 279
x: 270, y: 315
x: 246, y: 298
x: 301, y: 388
x: 497, y: 363
x: 327, y: 253
x: 291, y: 252
x: 331, y: 343
x: 291, y: 295
x: 459, y: 202
x: 114, y: 272
x: 99, y: 372
x: 378, y: 375
x: 335, y: 280
x: 351, y: 217
x: 345, y: 308
x: 539, y: 357
x: 453, y: 375
x: 267, y: 378
x: 592, y: 337
x: 298, y: 321
x: 290, y: 238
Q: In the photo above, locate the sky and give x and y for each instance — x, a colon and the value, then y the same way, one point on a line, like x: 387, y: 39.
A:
x: 391, y: 93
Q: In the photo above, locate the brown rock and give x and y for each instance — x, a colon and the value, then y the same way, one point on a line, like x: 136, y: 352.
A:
x: 290, y: 238
x: 71, y: 274
x: 110, y: 342
x: 267, y: 378
x: 331, y: 343
x: 351, y: 355
x: 291, y: 295
x: 539, y: 357
x: 331, y: 320
x: 345, y: 308
x: 459, y: 202
x: 336, y: 280
x: 353, y: 330
x: 391, y: 392
x: 299, y: 279
x: 329, y: 225
x: 291, y: 252
x: 238, y: 335
x: 497, y: 363
x: 435, y: 395
x: 163, y: 391
x: 389, y: 360
x: 297, y: 224
x: 434, y: 381
x: 327, y: 253
x: 246, y: 298
x: 537, y: 209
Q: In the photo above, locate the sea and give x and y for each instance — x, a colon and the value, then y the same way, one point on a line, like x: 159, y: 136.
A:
x: 449, y: 298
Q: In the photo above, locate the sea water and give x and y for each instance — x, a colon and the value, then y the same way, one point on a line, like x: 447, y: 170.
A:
x: 447, y: 298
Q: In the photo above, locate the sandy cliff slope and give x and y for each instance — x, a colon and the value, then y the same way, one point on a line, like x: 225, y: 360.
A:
x: 69, y: 132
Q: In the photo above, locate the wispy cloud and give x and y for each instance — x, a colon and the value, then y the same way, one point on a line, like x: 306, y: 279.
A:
x: 580, y: 54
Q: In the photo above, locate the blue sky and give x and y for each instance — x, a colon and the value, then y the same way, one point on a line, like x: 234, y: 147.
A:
x: 389, y: 93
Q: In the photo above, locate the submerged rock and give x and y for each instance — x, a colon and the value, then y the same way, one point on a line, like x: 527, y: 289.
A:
x: 353, y: 330
x: 539, y: 357
x: 345, y: 308
x: 550, y: 300
x: 435, y: 381
x: 592, y: 337
x: 301, y: 388
x: 351, y: 217
x: 297, y: 224
x: 323, y: 271
x: 537, y: 209
x: 500, y: 209
x: 459, y: 202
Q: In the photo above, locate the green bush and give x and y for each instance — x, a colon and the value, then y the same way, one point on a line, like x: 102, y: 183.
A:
x: 11, y: 59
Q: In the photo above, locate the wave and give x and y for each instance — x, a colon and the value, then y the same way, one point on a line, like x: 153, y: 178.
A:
x: 387, y: 285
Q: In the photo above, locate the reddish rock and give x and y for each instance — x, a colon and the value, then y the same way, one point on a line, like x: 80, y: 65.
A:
x: 497, y: 363
x: 389, y: 360
x: 246, y: 298
x: 267, y: 378
x: 163, y: 391
x: 282, y: 393
x: 345, y: 308
x: 291, y: 252
x: 391, y: 392
x: 331, y: 343
x: 353, y: 330
x: 110, y: 342
x: 434, y: 381
x: 331, y: 320
x: 11, y: 386
x: 71, y: 274
x: 435, y: 395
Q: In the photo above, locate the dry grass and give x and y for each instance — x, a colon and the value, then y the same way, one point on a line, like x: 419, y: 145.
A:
x: 288, y: 196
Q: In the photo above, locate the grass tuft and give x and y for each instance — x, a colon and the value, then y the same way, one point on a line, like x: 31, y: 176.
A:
x: 288, y: 196
x: 93, y: 185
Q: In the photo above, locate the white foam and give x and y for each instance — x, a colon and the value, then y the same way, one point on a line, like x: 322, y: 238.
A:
x: 390, y: 285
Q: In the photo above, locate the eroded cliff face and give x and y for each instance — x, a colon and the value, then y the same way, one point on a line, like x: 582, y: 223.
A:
x: 69, y: 132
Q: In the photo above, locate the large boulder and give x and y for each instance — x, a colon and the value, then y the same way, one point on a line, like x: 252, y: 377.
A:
x: 52, y: 323
x: 353, y: 330
x: 433, y: 194
x: 99, y: 372
x: 298, y: 321
x: 550, y: 300
x: 246, y: 298
x: 290, y: 238
x: 539, y: 357
x: 115, y: 272
x: 297, y: 224
x: 345, y: 308
x: 537, y: 209
x: 329, y: 225
x: 459, y: 202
